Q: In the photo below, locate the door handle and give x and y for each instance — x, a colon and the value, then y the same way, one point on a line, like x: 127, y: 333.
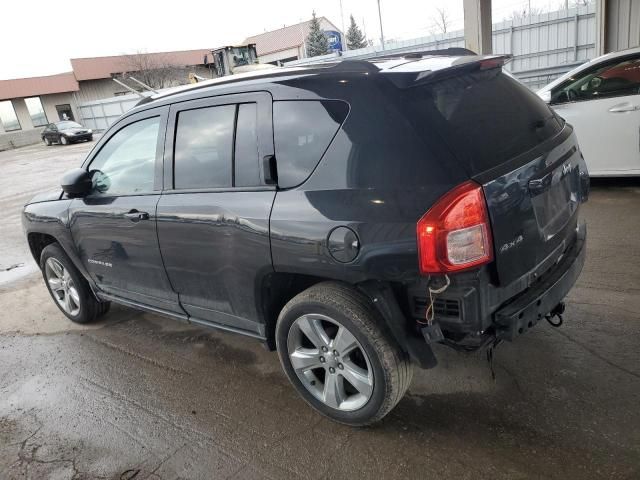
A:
x: 135, y: 216
x: 625, y: 107
x: 270, y: 170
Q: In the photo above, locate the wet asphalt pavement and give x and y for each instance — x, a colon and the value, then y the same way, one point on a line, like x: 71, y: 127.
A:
x: 140, y: 396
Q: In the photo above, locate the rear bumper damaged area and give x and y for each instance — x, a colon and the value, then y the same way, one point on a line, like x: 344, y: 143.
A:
x: 527, y: 309
x: 473, y: 313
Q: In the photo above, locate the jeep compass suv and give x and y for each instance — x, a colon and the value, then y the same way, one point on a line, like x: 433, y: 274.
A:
x: 349, y: 215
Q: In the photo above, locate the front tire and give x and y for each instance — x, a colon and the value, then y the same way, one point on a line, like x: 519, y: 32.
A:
x: 63, y: 140
x: 68, y: 288
x: 46, y: 141
x: 336, y: 351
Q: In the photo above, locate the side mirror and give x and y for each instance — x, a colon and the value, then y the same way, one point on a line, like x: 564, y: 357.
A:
x: 76, y: 182
x: 546, y: 96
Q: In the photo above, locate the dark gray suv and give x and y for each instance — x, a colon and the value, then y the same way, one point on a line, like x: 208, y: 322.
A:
x: 349, y: 215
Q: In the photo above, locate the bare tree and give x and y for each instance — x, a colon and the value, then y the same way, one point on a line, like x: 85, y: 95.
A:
x: 153, y: 69
x: 566, y: 4
x: 441, y: 20
x: 524, y: 12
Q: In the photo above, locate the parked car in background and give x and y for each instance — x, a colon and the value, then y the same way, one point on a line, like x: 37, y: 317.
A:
x: 348, y: 215
x: 66, y: 132
x: 601, y: 100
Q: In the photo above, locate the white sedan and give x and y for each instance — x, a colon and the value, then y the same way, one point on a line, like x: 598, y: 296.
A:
x: 601, y: 99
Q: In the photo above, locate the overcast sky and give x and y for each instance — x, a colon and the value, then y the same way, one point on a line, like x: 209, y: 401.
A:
x: 39, y: 38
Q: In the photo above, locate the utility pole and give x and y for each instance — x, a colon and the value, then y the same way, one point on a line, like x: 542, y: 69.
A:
x: 345, y: 47
x: 304, y: 40
x: 380, y: 18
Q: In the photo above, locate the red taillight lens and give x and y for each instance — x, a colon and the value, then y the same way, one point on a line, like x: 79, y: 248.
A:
x: 455, y: 233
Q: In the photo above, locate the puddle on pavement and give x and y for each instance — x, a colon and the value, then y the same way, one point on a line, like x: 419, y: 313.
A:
x: 16, y: 271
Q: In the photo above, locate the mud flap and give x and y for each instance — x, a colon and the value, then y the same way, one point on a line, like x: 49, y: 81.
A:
x: 385, y: 301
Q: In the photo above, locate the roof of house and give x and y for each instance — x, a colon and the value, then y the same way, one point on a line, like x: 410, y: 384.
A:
x: 285, y: 37
x: 103, y: 67
x: 34, y: 86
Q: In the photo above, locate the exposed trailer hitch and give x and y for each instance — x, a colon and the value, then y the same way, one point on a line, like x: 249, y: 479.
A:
x: 557, y: 311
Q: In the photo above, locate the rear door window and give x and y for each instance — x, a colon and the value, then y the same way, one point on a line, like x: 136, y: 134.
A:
x: 204, y: 147
x: 303, y: 130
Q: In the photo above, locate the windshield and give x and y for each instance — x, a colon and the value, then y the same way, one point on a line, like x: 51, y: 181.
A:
x: 67, y: 125
x: 241, y: 57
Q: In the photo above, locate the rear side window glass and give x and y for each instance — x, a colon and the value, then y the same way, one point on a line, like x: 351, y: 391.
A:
x: 203, y: 147
x: 246, y: 152
x: 486, y: 117
x: 302, y: 131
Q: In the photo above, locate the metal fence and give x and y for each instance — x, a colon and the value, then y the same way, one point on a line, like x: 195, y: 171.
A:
x: 543, y: 46
x: 99, y: 114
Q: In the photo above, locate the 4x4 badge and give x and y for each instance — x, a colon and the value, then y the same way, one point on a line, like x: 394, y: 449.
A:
x: 509, y: 245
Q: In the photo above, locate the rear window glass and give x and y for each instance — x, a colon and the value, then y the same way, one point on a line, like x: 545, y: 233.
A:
x: 486, y: 118
x: 302, y: 130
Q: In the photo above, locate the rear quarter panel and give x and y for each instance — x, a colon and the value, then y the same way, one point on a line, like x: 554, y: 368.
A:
x: 378, y: 177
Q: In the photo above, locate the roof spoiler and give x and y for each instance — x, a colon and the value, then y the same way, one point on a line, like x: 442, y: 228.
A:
x: 464, y: 66
x: 357, y: 66
x: 444, y: 52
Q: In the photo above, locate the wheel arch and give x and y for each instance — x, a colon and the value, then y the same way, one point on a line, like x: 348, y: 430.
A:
x: 274, y: 291
x: 37, y: 242
x: 279, y: 288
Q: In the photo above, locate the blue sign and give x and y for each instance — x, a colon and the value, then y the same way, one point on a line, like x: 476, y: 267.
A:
x: 335, y: 40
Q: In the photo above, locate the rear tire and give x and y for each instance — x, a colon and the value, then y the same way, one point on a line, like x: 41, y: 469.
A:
x: 68, y: 288
x: 337, y: 352
x: 46, y: 141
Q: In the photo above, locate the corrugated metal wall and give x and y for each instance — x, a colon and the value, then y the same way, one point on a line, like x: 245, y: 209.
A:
x: 623, y: 24
x: 543, y: 46
x: 99, y: 114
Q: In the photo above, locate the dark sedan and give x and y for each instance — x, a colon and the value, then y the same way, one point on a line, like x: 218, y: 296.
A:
x: 66, y: 132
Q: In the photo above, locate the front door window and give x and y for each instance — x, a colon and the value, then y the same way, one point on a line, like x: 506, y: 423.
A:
x: 126, y: 164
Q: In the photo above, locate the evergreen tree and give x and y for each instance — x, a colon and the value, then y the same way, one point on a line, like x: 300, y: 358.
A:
x: 317, y: 43
x: 355, y: 37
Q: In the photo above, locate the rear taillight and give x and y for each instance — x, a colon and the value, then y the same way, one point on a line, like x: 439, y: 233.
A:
x: 455, y: 233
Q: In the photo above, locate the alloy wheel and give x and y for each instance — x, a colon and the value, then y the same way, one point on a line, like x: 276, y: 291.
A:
x: 62, y: 286
x: 330, y: 362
